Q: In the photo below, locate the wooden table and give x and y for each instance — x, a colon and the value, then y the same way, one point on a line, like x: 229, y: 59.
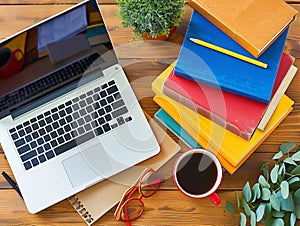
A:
x: 142, y: 63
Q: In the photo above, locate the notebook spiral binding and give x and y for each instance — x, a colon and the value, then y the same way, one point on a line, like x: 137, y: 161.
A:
x: 81, y: 210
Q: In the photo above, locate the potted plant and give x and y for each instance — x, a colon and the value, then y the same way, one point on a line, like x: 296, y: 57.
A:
x: 275, y: 198
x: 151, y: 18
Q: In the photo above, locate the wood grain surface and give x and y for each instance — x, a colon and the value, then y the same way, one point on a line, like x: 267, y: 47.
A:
x: 143, y: 62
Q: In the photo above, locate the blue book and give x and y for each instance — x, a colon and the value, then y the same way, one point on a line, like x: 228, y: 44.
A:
x: 175, y: 128
x: 217, y: 69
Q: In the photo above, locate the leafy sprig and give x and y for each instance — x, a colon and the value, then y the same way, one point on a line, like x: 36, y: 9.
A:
x: 275, y: 198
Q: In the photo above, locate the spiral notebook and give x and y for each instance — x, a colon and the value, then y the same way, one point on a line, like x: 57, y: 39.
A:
x: 95, y: 201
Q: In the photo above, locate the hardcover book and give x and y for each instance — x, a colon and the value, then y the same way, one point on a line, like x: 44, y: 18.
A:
x: 254, y: 24
x: 232, y: 150
x: 236, y: 113
x: 205, y: 65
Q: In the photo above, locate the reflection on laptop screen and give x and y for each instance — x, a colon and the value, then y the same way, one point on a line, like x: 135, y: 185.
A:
x: 52, y: 56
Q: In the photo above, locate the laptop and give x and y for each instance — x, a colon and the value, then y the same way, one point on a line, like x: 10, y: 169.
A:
x: 68, y: 115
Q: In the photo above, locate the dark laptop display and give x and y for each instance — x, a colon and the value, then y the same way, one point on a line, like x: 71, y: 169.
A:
x: 51, y: 56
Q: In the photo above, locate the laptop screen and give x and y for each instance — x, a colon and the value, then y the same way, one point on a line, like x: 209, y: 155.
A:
x: 51, y: 57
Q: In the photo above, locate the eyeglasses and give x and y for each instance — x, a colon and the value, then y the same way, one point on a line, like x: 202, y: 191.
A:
x: 131, y: 208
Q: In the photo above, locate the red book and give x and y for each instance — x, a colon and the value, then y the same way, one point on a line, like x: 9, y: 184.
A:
x: 238, y: 114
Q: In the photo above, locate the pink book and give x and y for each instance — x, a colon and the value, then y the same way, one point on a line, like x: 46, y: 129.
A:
x: 238, y: 114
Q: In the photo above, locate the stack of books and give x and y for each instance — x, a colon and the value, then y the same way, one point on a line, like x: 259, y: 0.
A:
x: 226, y: 90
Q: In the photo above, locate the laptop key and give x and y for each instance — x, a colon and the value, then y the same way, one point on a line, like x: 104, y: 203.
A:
x: 14, y: 136
x: 23, y: 149
x: 19, y: 142
x: 106, y: 127
x: 65, y: 147
x: 118, y: 104
x: 119, y: 112
x: 42, y: 158
x: 50, y: 154
x: 112, y: 89
x: 28, y: 155
x: 73, y: 143
x: 27, y: 165
x: 35, y: 162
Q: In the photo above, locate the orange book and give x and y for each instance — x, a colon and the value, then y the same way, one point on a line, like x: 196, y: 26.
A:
x: 254, y: 24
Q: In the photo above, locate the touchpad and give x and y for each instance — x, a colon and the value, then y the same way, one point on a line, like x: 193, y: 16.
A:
x: 87, y: 165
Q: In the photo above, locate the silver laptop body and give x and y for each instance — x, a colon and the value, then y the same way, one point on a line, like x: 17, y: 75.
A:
x: 68, y: 117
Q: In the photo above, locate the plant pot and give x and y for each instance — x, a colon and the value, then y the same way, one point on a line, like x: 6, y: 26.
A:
x: 160, y: 37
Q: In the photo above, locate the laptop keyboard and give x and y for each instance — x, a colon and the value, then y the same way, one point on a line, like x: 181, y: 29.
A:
x: 52, y: 80
x: 56, y: 131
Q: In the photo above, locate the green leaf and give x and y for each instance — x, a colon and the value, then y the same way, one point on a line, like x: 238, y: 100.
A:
x: 294, y: 179
x: 295, y: 185
x: 237, y: 200
x: 297, y: 193
x: 252, y: 218
x: 278, y: 222
x: 265, y: 165
x: 265, y: 194
x: 297, y: 211
x: 262, y: 181
x: 287, y: 204
x: 265, y: 169
x: 243, y: 220
x: 229, y: 207
x: 247, y: 192
x: 247, y: 209
x: 268, y: 221
x: 278, y: 214
x: 260, y: 212
x: 278, y: 155
x: 274, y: 173
x: 287, y: 147
x: 275, y: 202
x: 296, y: 156
x: 296, y: 170
x: 266, y: 174
x: 292, y: 219
x: 281, y: 168
x: 255, y: 192
x: 268, y: 209
x: 284, y: 189
x: 289, y: 160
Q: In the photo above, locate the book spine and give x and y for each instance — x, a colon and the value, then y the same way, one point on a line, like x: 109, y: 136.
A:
x: 208, y: 114
x: 83, y: 212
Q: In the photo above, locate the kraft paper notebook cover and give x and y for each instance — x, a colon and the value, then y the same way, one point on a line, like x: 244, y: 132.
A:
x: 210, y: 135
x: 254, y: 24
x: 95, y: 201
x: 236, y: 113
x: 213, y: 68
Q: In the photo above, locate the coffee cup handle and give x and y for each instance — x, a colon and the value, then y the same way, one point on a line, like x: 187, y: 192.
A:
x: 215, y: 198
x: 19, y: 51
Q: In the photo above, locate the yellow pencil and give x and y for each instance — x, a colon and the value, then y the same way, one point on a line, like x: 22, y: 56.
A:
x: 228, y: 52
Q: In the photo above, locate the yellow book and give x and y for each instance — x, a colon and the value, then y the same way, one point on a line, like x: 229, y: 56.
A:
x: 231, y: 149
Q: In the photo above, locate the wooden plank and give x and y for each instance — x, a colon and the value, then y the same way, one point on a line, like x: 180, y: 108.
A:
x: 176, y: 206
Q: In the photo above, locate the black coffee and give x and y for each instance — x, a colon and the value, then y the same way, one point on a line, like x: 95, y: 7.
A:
x: 197, y: 173
x: 4, y: 57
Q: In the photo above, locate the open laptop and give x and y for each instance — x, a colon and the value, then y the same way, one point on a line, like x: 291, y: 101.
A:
x: 68, y: 116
